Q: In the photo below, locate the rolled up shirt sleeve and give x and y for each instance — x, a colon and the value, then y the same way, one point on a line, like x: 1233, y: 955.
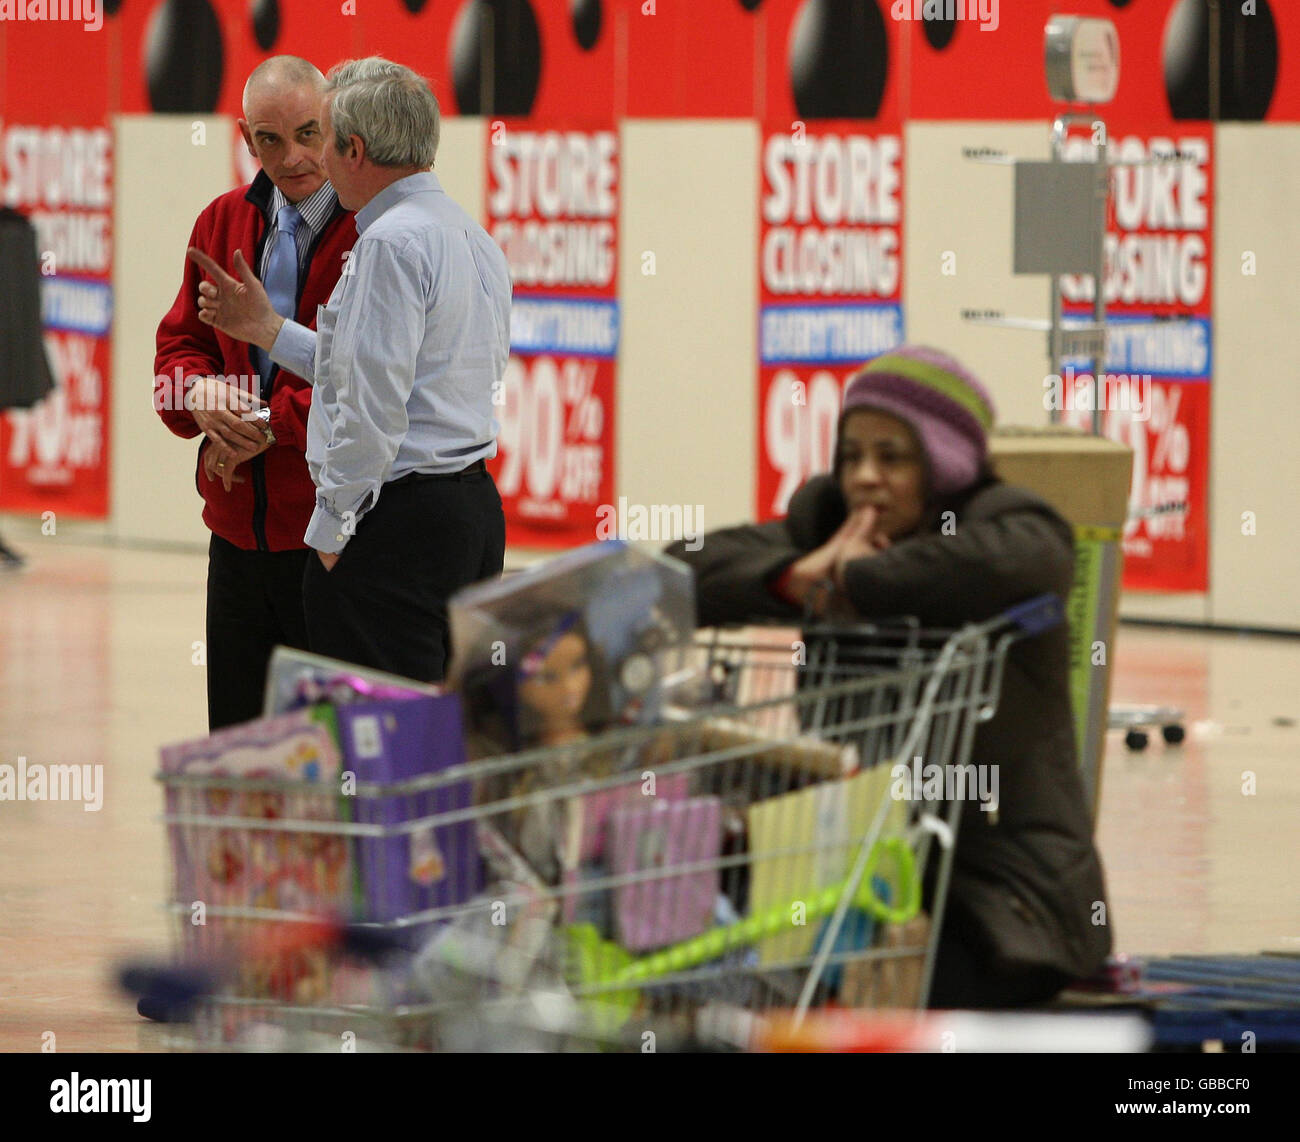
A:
x: 364, y: 377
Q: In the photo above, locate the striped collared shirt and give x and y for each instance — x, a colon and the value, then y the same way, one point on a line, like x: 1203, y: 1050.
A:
x: 315, y: 209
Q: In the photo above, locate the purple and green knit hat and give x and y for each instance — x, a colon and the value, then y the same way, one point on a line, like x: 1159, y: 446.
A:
x: 950, y: 411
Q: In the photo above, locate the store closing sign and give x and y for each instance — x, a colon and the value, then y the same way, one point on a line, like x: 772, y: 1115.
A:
x: 830, y: 269
x: 54, y: 456
x: 553, y: 209
x: 1158, y: 294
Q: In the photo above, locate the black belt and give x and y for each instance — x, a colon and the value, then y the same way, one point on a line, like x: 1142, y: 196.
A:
x: 475, y: 469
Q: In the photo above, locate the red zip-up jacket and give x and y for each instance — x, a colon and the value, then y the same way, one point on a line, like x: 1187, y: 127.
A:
x: 271, y: 509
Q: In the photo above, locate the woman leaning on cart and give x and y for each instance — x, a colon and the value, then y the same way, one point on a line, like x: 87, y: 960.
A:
x: 912, y: 521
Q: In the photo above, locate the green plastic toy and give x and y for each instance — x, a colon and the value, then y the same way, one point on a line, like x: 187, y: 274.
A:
x: 613, y: 974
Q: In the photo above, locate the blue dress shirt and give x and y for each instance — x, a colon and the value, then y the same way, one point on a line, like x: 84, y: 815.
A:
x: 405, y: 355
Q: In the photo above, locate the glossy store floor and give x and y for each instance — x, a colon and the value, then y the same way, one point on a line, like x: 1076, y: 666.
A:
x: 96, y: 667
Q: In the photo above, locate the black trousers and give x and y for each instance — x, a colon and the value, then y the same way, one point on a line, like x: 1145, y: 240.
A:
x: 254, y: 604
x: 384, y: 605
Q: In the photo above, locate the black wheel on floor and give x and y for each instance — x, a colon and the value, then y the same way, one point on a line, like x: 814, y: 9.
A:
x: 1173, y: 734
x: 1136, y: 740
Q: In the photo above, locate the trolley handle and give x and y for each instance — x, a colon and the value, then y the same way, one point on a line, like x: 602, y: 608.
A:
x: 1036, y: 615
x: 1030, y: 617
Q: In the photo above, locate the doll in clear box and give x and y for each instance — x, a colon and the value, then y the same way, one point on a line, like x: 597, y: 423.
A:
x: 554, y: 693
x: 559, y: 685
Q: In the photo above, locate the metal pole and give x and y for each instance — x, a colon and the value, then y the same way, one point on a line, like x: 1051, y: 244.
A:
x: 1056, y: 351
x: 1099, y: 290
x: 1055, y: 355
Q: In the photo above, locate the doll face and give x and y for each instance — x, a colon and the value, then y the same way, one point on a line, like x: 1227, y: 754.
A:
x: 557, y: 690
x: 881, y: 464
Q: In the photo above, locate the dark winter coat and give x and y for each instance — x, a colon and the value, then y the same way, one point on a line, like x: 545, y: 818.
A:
x: 1027, y: 880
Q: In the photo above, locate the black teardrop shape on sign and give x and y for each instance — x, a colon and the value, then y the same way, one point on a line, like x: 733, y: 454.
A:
x: 586, y: 23
x: 1120, y: 3
x: 111, y: 7
x: 1186, y: 58
x: 415, y: 7
x: 1247, y: 61
x: 183, y: 57
x: 939, y: 31
x: 750, y: 5
x: 266, y: 23
x: 1252, y: 46
x: 839, y: 59
x: 516, y: 57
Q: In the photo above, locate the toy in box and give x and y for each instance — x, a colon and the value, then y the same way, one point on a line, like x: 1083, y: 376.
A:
x: 568, y: 647
x: 659, y: 906
x: 586, y: 851
x: 222, y: 859
x: 295, y: 678
x: 391, y: 730
x: 419, y: 862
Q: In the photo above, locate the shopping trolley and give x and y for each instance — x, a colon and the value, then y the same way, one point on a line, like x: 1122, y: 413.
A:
x: 779, y: 839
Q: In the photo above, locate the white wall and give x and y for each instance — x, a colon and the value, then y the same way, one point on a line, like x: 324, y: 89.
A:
x: 688, y: 366
x: 1255, y: 433
x: 958, y: 206
x: 163, y: 180
x: 461, y: 166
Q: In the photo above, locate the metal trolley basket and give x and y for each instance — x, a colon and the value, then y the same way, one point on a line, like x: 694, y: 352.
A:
x: 761, y: 847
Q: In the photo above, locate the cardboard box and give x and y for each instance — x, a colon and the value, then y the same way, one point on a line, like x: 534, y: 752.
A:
x: 406, y: 870
x: 1086, y: 478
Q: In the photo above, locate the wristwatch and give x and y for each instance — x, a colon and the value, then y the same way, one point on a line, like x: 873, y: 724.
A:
x: 263, y: 419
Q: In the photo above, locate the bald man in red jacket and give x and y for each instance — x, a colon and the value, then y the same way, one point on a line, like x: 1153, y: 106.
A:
x: 251, y: 468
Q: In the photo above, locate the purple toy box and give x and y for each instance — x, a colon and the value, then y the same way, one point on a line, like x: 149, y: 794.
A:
x: 432, y: 864
x: 661, y: 907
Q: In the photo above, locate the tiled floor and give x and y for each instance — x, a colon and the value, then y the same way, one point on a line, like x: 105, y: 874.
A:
x: 97, y: 666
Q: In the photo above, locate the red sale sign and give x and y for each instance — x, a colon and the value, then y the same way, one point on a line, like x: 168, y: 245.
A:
x: 552, y: 469
x: 831, y: 281
x: 552, y: 200
x: 1159, y: 260
x: 54, y: 456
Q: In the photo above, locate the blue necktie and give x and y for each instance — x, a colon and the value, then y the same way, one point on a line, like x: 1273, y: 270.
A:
x: 281, y: 280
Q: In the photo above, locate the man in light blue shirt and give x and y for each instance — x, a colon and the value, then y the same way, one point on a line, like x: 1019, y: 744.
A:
x: 405, y: 360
